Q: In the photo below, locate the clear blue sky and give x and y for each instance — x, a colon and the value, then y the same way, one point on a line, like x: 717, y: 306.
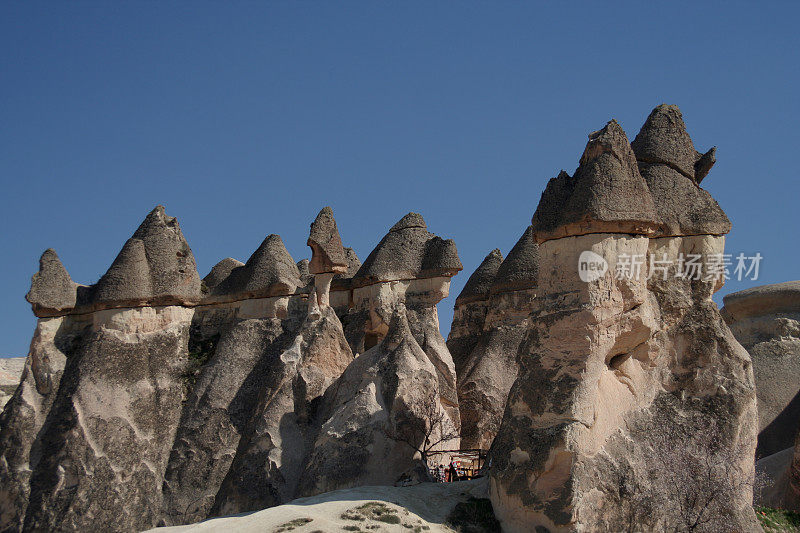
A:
x: 246, y: 118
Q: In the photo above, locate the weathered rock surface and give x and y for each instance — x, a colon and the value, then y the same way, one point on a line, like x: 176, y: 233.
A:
x: 486, y: 336
x: 155, y: 267
x: 629, y: 387
x: 10, y: 374
x: 220, y: 272
x: 409, y: 251
x: 376, y: 397
x: 52, y: 290
x: 326, y: 244
x: 270, y: 271
x: 131, y: 414
x: 766, y: 321
x: 673, y: 170
x: 607, y: 194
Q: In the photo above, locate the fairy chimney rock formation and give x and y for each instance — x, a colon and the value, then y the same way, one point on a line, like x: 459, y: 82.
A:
x: 155, y: 267
x: 220, y: 272
x: 673, y: 170
x: 489, y: 324
x: 328, y: 255
x: 52, y: 290
x: 270, y: 271
x: 607, y: 194
x: 409, y: 251
x: 766, y: 321
x: 326, y: 245
x: 626, y: 380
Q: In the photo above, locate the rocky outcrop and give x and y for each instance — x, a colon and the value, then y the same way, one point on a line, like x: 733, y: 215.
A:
x: 52, y: 290
x: 404, y: 376
x: 489, y: 325
x: 10, y: 373
x: 766, y: 321
x: 631, y: 390
x: 155, y: 398
x: 673, y: 170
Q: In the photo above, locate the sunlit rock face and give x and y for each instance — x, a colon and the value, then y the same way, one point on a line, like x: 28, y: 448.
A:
x: 155, y: 398
x: 403, y: 370
x: 766, y: 321
x: 490, y: 321
x: 630, y: 385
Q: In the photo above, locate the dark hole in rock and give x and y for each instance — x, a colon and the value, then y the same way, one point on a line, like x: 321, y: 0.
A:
x: 615, y: 362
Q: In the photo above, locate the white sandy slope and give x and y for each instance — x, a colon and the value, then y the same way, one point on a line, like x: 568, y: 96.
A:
x: 426, y: 504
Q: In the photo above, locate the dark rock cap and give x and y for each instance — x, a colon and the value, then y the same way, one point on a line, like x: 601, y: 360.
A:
x: 764, y: 300
x: 52, y: 290
x: 673, y: 170
x: 480, y: 282
x: 520, y: 270
x: 344, y: 281
x: 155, y: 267
x: 326, y: 245
x: 409, y: 251
x: 270, y: 271
x: 683, y: 207
x: 220, y: 271
x: 607, y: 194
x: 305, y: 275
x: 663, y: 139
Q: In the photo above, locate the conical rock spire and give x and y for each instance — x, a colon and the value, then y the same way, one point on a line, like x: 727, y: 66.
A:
x: 607, y: 194
x: 479, y: 283
x: 52, y: 290
x: 156, y: 266
x: 328, y: 255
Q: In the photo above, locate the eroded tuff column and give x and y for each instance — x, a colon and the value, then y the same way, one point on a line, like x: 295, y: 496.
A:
x: 489, y: 325
x: 404, y: 367
x: 632, y: 390
x: 268, y: 463
x: 86, y: 437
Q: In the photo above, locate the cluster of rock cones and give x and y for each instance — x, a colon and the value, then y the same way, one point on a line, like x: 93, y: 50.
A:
x: 156, y: 398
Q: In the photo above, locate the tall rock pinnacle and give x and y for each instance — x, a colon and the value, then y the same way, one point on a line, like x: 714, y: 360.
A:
x: 156, y: 266
x: 328, y: 255
x: 52, y: 290
x: 607, y: 194
x: 673, y: 170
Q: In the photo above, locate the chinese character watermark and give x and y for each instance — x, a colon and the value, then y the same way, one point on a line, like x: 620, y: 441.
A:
x: 692, y: 267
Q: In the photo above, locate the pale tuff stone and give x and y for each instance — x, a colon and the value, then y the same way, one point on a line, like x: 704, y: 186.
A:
x: 766, y: 321
x: 632, y: 391
x: 374, y: 396
x: 486, y: 336
x: 10, y: 374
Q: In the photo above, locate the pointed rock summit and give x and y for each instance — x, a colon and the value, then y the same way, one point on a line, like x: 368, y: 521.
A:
x: 52, y: 290
x: 664, y: 140
x: 480, y: 282
x: 520, y: 270
x: 220, y: 271
x: 155, y: 267
x: 607, y: 194
x: 270, y: 271
x: 673, y: 170
x: 326, y: 245
x: 409, y: 251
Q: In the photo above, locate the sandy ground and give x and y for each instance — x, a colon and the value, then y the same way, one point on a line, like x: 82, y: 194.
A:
x: 418, y: 507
